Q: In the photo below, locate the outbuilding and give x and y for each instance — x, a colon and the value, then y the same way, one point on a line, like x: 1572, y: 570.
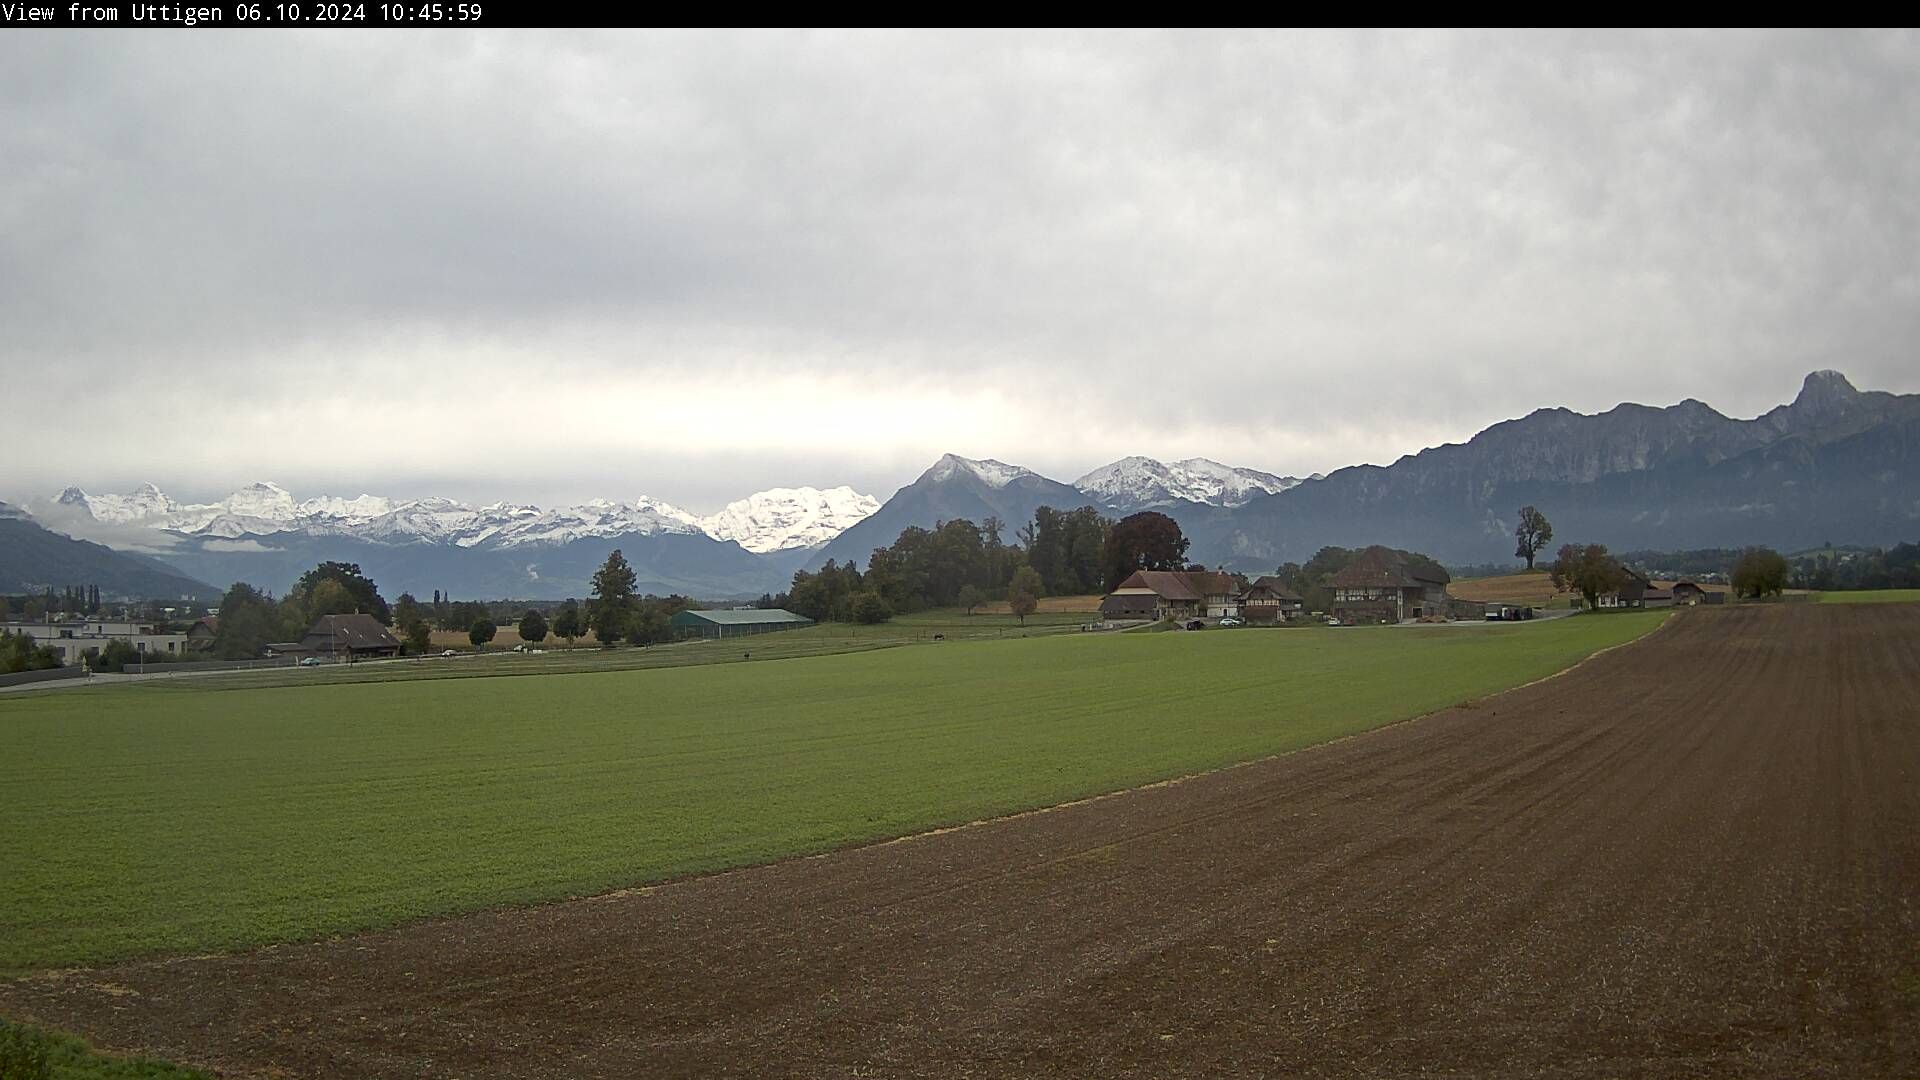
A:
x: 735, y: 622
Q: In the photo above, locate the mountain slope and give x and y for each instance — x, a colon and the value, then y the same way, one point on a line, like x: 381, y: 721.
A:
x: 954, y: 487
x: 1140, y: 483
x: 1834, y: 464
x: 32, y: 558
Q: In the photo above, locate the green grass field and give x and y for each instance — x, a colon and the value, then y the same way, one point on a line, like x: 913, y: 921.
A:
x: 823, y: 640
x: 1872, y: 596
x: 140, y: 820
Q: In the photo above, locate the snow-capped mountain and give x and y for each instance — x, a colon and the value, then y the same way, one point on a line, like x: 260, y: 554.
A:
x: 953, y: 488
x: 1139, y: 482
x: 994, y: 474
x: 780, y: 519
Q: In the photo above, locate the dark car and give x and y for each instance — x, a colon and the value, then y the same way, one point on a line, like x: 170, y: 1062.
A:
x: 1197, y: 624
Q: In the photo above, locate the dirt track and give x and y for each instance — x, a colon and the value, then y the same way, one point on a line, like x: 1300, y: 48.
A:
x: 1695, y: 856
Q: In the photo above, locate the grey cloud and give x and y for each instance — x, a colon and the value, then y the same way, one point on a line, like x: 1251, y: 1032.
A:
x: 1304, y: 249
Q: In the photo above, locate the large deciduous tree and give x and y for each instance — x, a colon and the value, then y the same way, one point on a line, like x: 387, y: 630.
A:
x: 1531, y: 535
x: 533, y: 627
x: 568, y: 623
x: 1760, y: 572
x: 1148, y: 540
x: 360, y: 590
x: 481, y: 632
x: 1588, y: 570
x: 1023, y: 595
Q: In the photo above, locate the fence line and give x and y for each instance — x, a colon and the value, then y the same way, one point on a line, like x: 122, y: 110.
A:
x: 24, y: 678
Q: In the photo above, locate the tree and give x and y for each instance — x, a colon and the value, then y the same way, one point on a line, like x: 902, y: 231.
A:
x: 1023, y: 594
x: 364, y: 595
x: 568, y: 623
x: 481, y: 632
x: 971, y: 597
x: 419, y: 637
x: 870, y: 607
x: 533, y: 627
x: 1587, y: 570
x: 610, y: 623
x: 1760, y: 572
x: 612, y: 608
x: 406, y: 610
x: 249, y: 620
x: 1531, y: 535
x: 1068, y: 549
x: 1148, y: 540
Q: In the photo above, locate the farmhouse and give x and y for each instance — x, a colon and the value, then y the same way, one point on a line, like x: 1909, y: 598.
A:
x: 349, y: 637
x: 1172, y: 594
x: 201, y: 634
x: 1381, y: 585
x: 1638, y: 592
x: 1268, y: 600
x: 1689, y: 594
x: 734, y: 623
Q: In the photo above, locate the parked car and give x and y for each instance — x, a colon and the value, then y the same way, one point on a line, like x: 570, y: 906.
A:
x: 1197, y: 624
x: 311, y: 661
x: 449, y: 652
x: 1233, y: 620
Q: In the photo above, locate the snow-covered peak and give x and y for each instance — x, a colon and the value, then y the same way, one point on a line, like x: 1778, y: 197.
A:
x: 996, y: 474
x: 780, y: 519
x: 143, y: 502
x: 1142, y: 481
x: 265, y: 501
x: 769, y: 521
x: 334, y: 508
x: 596, y: 518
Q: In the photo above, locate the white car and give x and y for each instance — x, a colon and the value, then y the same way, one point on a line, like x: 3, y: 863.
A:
x: 449, y: 652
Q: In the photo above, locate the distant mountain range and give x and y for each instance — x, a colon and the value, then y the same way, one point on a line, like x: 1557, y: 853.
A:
x: 34, y: 559
x: 1835, y: 464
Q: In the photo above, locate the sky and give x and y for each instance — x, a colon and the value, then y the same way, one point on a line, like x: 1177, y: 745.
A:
x: 553, y: 267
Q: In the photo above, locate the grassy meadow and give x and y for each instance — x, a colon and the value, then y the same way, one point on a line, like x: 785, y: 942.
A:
x: 1871, y: 596
x: 192, y: 816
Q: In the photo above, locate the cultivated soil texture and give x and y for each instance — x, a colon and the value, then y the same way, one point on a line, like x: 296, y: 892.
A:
x: 1697, y: 855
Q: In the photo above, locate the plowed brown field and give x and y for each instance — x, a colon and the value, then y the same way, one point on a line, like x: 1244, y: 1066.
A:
x: 1698, y: 855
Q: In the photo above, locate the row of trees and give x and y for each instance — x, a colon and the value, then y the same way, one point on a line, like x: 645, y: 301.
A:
x: 961, y: 563
x: 1592, y: 571
x: 1897, y: 567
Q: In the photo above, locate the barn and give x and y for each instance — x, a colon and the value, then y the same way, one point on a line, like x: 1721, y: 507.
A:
x: 736, y: 622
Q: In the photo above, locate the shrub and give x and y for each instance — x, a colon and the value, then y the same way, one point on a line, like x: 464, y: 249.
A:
x: 23, y: 1054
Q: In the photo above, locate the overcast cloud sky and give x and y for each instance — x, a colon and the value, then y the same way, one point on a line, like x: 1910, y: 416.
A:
x: 553, y: 267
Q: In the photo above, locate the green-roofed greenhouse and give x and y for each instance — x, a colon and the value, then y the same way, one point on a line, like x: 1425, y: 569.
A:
x: 735, y: 623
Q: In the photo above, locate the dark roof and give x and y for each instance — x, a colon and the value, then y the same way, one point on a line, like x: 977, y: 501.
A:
x: 1270, y: 586
x: 737, y: 617
x: 1378, y: 567
x: 348, y: 632
x: 1127, y: 604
